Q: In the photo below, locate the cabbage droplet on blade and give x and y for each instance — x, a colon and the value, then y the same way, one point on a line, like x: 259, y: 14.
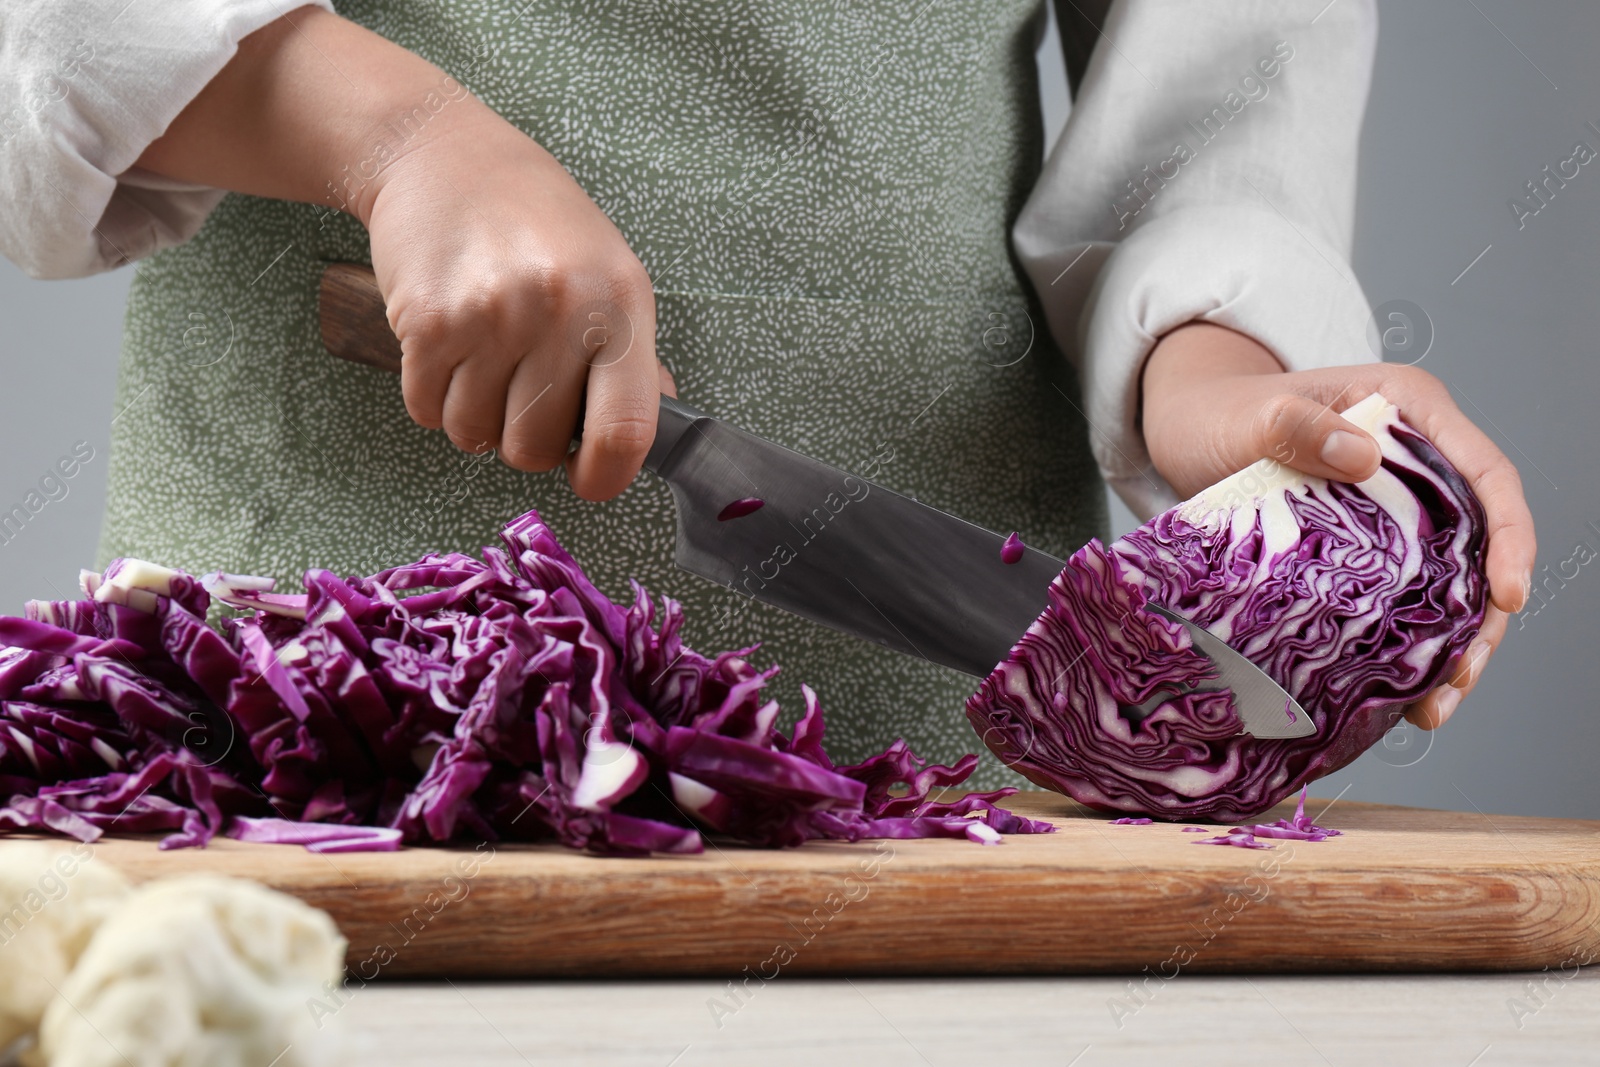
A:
x: 738, y: 509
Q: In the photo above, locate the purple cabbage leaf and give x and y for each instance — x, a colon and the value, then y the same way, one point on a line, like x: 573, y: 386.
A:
x: 493, y: 698
x: 1357, y: 598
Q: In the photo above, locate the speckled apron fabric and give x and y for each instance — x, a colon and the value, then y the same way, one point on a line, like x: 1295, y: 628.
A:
x: 821, y: 192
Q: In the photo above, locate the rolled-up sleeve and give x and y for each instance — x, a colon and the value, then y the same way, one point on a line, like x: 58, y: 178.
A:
x: 89, y: 85
x: 1206, y: 172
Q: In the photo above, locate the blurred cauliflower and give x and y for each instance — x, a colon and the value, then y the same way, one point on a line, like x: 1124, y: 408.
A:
x: 198, y: 971
x: 52, y: 899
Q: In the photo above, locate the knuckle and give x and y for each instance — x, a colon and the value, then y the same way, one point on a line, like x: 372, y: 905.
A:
x: 492, y: 296
x: 490, y: 308
x: 555, y: 286
x: 422, y: 332
x: 423, y: 405
x: 609, y: 286
x: 524, y: 456
x: 625, y: 436
x: 619, y: 281
x: 1508, y: 471
x: 425, y: 415
x: 626, y: 278
x: 1278, y: 419
x: 475, y: 438
x: 1417, y: 381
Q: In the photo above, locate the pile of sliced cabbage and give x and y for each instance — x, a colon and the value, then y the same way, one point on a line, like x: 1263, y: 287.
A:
x: 493, y: 698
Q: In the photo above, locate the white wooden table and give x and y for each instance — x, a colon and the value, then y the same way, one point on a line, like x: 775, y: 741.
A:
x: 1194, y: 1021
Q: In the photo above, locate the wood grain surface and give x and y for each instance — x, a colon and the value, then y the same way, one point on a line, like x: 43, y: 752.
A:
x: 1404, y: 889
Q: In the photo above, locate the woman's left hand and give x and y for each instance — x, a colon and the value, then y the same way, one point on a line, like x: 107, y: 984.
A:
x: 1216, y: 401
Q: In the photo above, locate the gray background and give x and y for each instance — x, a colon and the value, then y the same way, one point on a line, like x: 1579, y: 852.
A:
x: 1469, y: 102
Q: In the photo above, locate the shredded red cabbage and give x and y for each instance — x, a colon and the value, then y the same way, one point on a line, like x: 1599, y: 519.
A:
x: 1297, y: 828
x: 315, y: 836
x: 1130, y: 822
x: 494, y: 698
x: 738, y: 509
x: 1237, y: 838
x: 1357, y: 599
x: 1012, y: 550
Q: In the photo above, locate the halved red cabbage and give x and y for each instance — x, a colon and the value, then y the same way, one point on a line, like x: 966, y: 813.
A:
x: 501, y: 698
x: 1357, y: 599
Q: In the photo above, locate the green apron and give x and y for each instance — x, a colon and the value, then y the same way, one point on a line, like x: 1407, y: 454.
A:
x: 822, y: 194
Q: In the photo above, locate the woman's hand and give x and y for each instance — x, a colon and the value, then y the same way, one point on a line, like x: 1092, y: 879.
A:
x: 517, y: 304
x: 516, y: 301
x: 1215, y: 401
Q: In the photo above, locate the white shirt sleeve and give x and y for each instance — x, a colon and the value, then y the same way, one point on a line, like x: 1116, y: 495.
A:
x: 89, y: 84
x: 1207, y: 171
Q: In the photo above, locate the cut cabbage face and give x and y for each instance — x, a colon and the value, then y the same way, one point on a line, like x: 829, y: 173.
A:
x: 1357, y: 599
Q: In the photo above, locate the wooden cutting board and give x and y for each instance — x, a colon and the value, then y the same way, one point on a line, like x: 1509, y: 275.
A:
x: 1404, y: 889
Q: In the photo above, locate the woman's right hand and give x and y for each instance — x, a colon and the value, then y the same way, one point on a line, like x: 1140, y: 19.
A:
x: 516, y: 301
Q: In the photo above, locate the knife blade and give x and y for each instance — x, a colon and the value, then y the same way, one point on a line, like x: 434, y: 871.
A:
x: 856, y: 557
x: 830, y: 545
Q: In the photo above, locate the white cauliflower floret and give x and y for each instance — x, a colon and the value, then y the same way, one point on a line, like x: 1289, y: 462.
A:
x: 198, y: 971
x: 52, y: 899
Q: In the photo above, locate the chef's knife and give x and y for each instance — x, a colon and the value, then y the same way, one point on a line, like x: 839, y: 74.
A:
x: 832, y: 546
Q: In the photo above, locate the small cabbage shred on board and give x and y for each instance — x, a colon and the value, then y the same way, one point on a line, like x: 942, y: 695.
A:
x: 494, y: 698
x: 1356, y: 598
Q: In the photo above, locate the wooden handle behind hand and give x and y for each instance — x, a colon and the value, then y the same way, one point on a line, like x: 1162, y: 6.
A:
x: 355, y: 324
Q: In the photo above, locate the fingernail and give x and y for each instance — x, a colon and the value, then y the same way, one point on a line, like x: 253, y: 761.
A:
x: 1444, y: 704
x: 1344, y: 451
